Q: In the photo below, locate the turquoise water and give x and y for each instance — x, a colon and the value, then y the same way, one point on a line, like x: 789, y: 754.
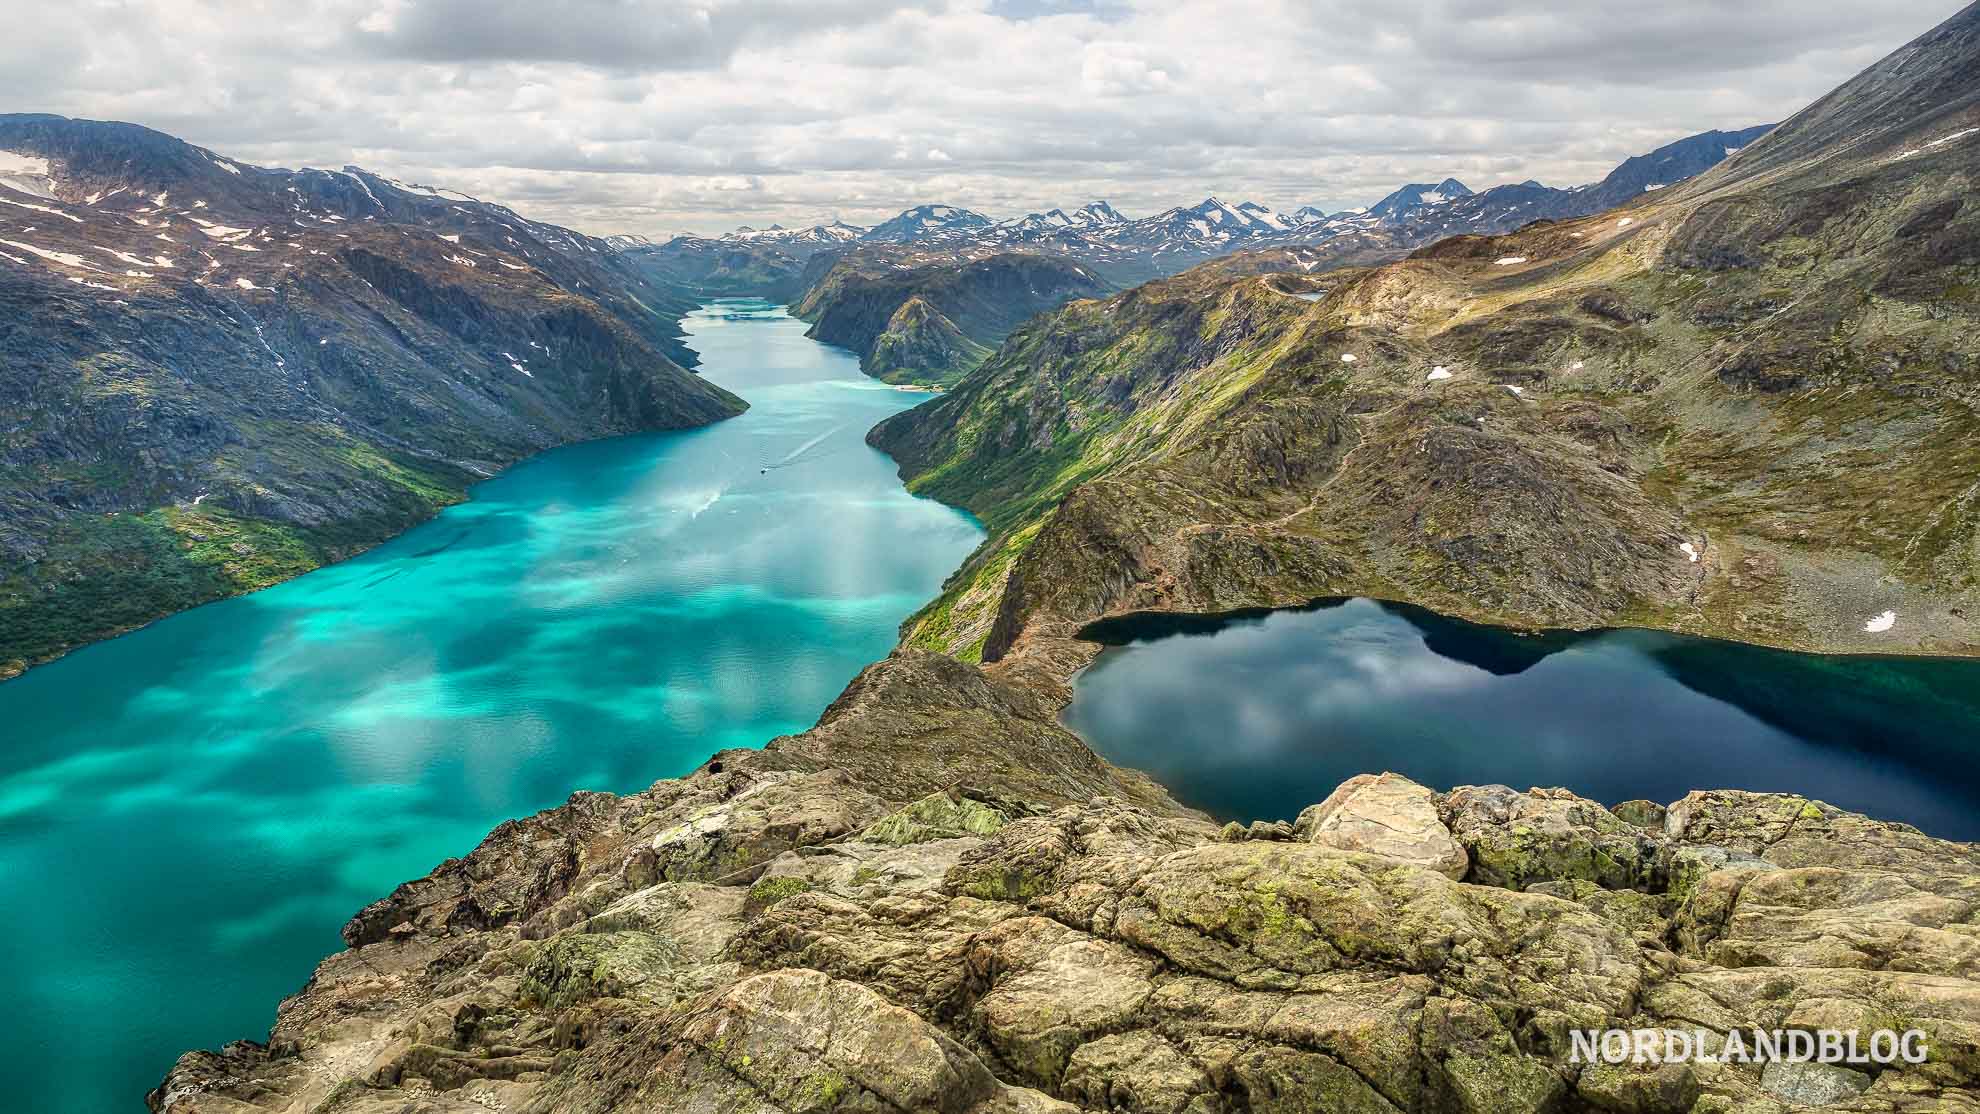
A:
x: 190, y: 812
x: 1257, y: 716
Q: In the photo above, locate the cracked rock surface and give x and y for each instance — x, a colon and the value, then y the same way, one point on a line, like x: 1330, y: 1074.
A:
x: 773, y: 934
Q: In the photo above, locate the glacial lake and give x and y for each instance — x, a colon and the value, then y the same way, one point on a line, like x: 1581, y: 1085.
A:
x: 1257, y: 716
x: 190, y: 812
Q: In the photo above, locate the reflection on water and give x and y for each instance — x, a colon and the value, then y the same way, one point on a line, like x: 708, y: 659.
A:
x: 1260, y: 714
x: 188, y: 813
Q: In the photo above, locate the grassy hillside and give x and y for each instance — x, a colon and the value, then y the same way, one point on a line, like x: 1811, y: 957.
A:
x: 1771, y: 365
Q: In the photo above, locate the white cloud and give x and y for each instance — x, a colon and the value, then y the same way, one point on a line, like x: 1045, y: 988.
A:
x: 660, y: 115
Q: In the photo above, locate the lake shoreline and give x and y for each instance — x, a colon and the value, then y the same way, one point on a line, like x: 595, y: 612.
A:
x: 595, y: 617
x: 1875, y: 734
x: 1122, y: 619
x: 10, y: 670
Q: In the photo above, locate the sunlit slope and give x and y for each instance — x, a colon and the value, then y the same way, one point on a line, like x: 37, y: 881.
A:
x: 1770, y: 368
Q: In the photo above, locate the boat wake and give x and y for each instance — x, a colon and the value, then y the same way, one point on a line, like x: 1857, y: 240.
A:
x: 797, y: 455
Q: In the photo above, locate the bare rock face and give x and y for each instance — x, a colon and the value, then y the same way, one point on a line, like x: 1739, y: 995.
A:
x: 775, y: 936
x: 1386, y: 815
x: 803, y: 1040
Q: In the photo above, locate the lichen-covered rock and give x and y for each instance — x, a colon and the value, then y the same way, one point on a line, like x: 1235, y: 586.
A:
x: 1830, y: 917
x: 1073, y: 862
x: 1137, y: 1071
x: 1548, y: 835
x: 1289, y: 1081
x: 1103, y: 956
x: 784, y: 1041
x: 580, y: 966
x: 1812, y: 1084
x: 913, y: 947
x: 1276, y: 916
x: 1788, y: 830
x: 937, y: 816
x: 1639, y: 1088
x: 1051, y: 989
x: 732, y: 841
x: 1387, y: 815
x: 1643, y: 814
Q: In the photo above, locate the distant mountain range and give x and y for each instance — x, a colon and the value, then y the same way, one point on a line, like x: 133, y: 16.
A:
x: 1406, y: 200
x: 1131, y: 250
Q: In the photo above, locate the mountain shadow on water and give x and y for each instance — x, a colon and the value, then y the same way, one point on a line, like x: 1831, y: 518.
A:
x: 1497, y: 650
x: 1149, y: 626
x: 1922, y: 711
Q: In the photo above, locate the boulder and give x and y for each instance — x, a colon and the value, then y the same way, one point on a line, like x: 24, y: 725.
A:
x: 1548, y: 835
x: 1812, y: 1084
x: 1137, y: 1071
x: 1386, y: 815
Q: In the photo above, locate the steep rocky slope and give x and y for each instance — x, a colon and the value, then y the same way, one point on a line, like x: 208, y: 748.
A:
x: 214, y: 376
x: 1744, y: 406
x: 929, y: 318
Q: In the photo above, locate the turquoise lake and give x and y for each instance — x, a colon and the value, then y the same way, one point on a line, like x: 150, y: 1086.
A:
x: 190, y: 812
x: 1256, y: 716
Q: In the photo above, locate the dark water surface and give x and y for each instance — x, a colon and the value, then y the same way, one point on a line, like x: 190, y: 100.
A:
x: 189, y: 813
x: 1258, y: 716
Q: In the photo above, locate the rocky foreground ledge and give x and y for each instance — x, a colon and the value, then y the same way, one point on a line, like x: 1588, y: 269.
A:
x: 777, y: 933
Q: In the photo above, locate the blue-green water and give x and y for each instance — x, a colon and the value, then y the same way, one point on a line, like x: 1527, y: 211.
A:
x: 1257, y: 716
x: 189, y: 813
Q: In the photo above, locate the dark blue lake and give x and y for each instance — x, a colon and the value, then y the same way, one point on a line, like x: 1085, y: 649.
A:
x: 1258, y: 716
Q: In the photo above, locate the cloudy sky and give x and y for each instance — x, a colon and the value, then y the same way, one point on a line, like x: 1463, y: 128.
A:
x: 662, y: 116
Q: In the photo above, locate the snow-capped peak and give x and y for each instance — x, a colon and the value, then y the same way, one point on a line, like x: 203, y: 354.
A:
x: 924, y: 221
x: 837, y: 232
x: 1097, y: 212
x: 1418, y: 194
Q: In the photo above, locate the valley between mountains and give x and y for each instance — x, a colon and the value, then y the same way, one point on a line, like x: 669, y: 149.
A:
x: 282, y: 368
x: 1741, y: 404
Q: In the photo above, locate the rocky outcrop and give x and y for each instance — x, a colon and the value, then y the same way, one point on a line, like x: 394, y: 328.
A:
x: 1386, y: 815
x: 775, y: 934
x: 922, y: 346
x: 926, y: 317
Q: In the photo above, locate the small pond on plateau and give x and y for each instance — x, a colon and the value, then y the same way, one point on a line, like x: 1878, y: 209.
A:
x: 1256, y: 716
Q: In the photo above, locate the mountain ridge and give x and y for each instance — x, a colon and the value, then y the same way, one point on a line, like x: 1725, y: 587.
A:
x: 1602, y: 378
x: 861, y: 302
x: 1131, y: 250
x: 218, y: 375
